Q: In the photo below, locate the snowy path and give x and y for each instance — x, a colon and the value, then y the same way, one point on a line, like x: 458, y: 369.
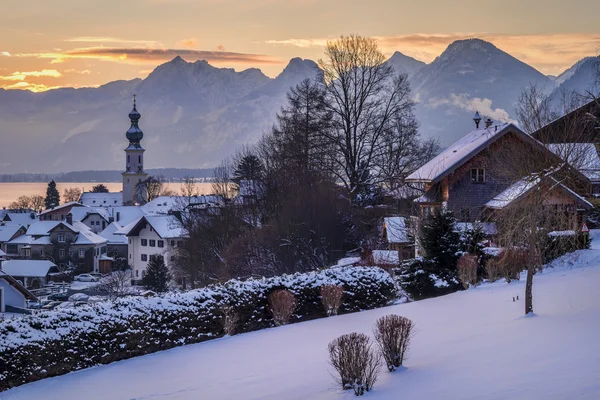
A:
x: 470, y: 345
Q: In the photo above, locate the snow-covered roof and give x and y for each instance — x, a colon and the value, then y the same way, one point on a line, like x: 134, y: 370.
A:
x: 164, y: 204
x: 22, y: 240
x: 2, y: 254
x: 460, y: 152
x: 250, y: 188
x: 524, y: 186
x: 22, y: 218
x: 80, y: 213
x: 166, y: 226
x: 396, y: 230
x: 28, y: 268
x: 42, y: 228
x: 126, y: 214
x: 111, y: 199
x: 489, y: 228
x: 14, y: 283
x: 385, y: 257
x: 8, y: 231
x: 583, y: 156
x: 44, y: 240
x: 109, y: 234
x: 86, y: 236
x: 69, y: 204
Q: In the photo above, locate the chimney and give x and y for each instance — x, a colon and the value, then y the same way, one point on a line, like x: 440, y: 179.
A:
x: 488, y: 122
x: 477, y: 119
x: 70, y: 219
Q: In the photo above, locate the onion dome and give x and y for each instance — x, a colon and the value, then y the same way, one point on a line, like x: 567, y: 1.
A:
x: 134, y: 133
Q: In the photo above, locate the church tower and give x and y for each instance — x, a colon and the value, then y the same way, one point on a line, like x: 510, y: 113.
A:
x: 134, y: 161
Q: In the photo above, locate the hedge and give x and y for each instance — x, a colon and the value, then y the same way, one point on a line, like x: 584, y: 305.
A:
x: 56, y: 342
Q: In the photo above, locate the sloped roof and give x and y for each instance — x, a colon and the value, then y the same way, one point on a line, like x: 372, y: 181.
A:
x: 396, y: 230
x: 42, y: 228
x: 524, y: 186
x: 126, y: 214
x: 14, y: 283
x: 111, y: 199
x: 2, y: 254
x: 164, y: 204
x: 385, y: 257
x: 109, y: 234
x: 69, y: 204
x: 28, y: 268
x: 21, y: 218
x: 86, y: 236
x: 8, y: 231
x: 166, y: 226
x: 460, y: 152
x: 81, y: 213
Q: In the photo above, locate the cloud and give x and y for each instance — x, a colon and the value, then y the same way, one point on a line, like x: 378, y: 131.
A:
x: 484, y: 106
x: 152, y: 56
x: 21, y: 76
x: 104, y: 39
x: 549, y: 53
x: 76, y: 71
x: 34, y: 87
x: 4, y: 53
x: 191, y: 43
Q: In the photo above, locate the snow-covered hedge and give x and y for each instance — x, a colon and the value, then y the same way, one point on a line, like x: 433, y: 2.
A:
x: 56, y: 342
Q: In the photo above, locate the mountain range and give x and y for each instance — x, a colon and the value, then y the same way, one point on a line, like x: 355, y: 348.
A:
x: 194, y: 114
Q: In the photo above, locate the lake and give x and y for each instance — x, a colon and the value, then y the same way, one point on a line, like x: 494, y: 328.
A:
x: 10, y: 191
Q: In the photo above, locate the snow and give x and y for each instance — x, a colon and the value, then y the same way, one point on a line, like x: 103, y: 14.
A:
x: 460, y: 151
x: 513, y: 192
x: 469, y: 345
x: 28, y: 268
x: 583, y: 156
x: 489, y: 228
x: 396, y: 230
x: 167, y: 226
x: 386, y: 257
x: 109, y: 234
x: 8, y: 231
x: 114, y: 199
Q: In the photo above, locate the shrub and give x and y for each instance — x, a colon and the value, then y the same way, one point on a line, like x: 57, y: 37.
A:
x: 331, y: 298
x: 421, y: 279
x: 356, y: 361
x: 467, y: 270
x: 508, y: 265
x: 282, y: 304
x: 229, y: 320
x: 393, y: 334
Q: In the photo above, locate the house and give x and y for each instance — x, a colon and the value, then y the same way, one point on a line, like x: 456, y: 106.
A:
x: 2, y: 255
x: 59, y: 213
x: 32, y: 273
x: 111, y: 199
x: 8, y: 232
x: 116, y: 244
x: 170, y: 204
x: 472, y: 181
x: 149, y: 236
x: 396, y: 233
x: 13, y: 295
x: 22, y: 217
x: 95, y: 218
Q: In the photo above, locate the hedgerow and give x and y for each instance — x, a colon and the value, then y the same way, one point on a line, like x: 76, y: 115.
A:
x: 57, y: 342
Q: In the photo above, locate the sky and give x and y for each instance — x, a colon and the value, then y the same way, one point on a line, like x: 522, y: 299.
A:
x: 58, y: 43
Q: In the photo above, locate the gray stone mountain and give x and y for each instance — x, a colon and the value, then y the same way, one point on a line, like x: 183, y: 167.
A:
x: 194, y: 114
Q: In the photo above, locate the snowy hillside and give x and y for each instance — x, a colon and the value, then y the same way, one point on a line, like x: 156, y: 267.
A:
x: 469, y: 345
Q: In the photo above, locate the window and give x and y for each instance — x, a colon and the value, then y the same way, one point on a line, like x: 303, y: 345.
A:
x: 81, y: 253
x: 61, y: 237
x: 161, y: 243
x: 137, y: 273
x: 144, y: 257
x: 144, y: 242
x: 172, y: 243
x: 28, y: 252
x: 127, y: 159
x: 61, y: 252
x: 152, y: 243
x: 179, y: 243
x: 12, y: 248
x: 42, y: 253
x: 172, y: 258
x: 477, y: 175
x: 129, y: 240
x: 139, y: 159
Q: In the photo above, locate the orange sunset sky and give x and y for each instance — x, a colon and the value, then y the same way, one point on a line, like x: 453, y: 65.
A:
x: 57, y: 43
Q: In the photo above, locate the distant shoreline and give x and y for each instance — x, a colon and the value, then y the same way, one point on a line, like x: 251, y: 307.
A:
x: 169, y: 174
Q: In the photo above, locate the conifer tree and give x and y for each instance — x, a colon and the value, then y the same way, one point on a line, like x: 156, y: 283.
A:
x: 52, y: 196
x: 157, y: 276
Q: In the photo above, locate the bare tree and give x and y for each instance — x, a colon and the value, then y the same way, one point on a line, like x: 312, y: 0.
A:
x: 151, y: 188
x: 189, y: 188
x: 117, y: 284
x: 37, y: 202
x: 365, y: 98
x: 71, y: 194
x: 21, y: 203
x: 222, y: 184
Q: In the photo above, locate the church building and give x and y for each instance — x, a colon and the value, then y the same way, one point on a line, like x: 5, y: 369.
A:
x: 134, y: 173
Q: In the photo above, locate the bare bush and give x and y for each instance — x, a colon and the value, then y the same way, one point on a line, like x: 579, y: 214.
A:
x: 508, y: 265
x: 282, y: 304
x: 117, y: 284
x: 356, y: 361
x: 331, y: 297
x: 393, y: 334
x: 467, y: 270
x: 229, y: 320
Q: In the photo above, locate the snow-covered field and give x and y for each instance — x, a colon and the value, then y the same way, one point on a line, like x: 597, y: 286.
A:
x: 470, y: 345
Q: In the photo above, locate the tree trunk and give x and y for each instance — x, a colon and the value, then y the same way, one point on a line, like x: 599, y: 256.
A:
x: 529, y: 289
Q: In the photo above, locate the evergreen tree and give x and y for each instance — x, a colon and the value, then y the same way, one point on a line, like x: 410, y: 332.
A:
x: 435, y: 274
x: 52, y: 196
x: 157, y: 276
x: 100, y: 188
x: 249, y: 168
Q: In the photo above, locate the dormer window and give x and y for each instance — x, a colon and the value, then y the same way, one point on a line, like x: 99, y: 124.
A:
x: 61, y: 237
x: 477, y: 175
